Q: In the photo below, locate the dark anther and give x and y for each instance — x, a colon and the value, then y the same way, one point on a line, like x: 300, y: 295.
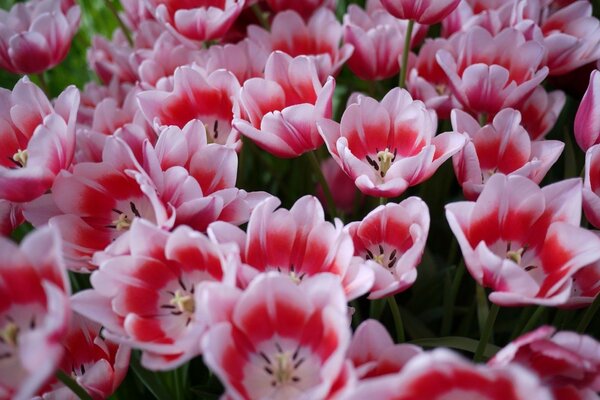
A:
x: 134, y: 210
x: 216, y: 129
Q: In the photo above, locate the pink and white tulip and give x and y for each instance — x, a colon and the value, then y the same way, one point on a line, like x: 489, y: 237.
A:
x: 276, y: 339
x: 444, y: 375
x: 279, y: 112
x: 34, y: 312
x: 373, y: 352
x: 302, y: 244
x: 540, y: 111
x: 96, y: 364
x: 486, y: 79
x: 378, y: 41
x: 195, y: 95
x: 523, y: 242
x: 318, y: 38
x: 391, y: 239
x: 502, y: 146
x: 37, y: 140
x: 587, y: 119
x: 564, y: 361
x: 145, y: 297
x: 387, y: 147
x: 426, y: 12
x: 198, y: 20
x: 11, y: 216
x: 591, y: 186
x: 305, y: 8
x: 36, y: 35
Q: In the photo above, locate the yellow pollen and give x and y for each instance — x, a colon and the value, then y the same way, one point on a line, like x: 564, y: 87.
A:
x: 10, y: 334
x: 515, y: 255
x: 284, y: 369
x: 295, y: 278
x: 122, y: 223
x: 440, y: 88
x: 21, y: 156
x: 184, y: 303
x: 385, y: 159
x: 380, y: 259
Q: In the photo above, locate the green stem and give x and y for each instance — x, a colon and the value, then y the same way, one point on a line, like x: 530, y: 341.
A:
x: 124, y: 28
x: 405, y: 53
x: 533, y: 320
x: 73, y: 385
x: 260, y: 15
x: 376, y: 308
x: 589, y: 315
x: 382, y: 201
x: 487, y: 332
x: 43, y: 84
x: 314, y: 162
x: 526, y: 314
x: 449, y: 303
x: 397, y: 319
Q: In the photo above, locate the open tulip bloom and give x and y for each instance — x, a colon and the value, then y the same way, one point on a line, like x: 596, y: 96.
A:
x: 300, y: 200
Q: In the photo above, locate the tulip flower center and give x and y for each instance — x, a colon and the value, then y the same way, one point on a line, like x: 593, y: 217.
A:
x: 516, y: 256
x: 282, y: 366
x: 124, y: 220
x: 184, y: 302
x: 381, y: 258
x: 21, y: 157
x: 384, y: 161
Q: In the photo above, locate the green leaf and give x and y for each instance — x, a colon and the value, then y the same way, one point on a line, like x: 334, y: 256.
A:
x: 152, y: 381
x: 458, y: 343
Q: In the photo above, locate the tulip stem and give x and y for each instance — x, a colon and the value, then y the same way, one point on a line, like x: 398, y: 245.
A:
x: 405, y: 53
x: 124, y: 28
x: 260, y: 15
x: 43, y: 84
x: 589, y: 315
x: 486, y: 333
x: 449, y: 303
x: 73, y: 385
x: 316, y: 166
x: 533, y: 320
x: 397, y: 319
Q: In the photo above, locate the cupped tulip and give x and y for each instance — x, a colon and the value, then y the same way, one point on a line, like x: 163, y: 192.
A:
x: 279, y: 112
x: 318, y: 38
x: 305, y: 8
x: 306, y: 245
x: 540, y: 111
x: 391, y: 239
x: 426, y: 12
x: 501, y: 146
x: 34, y: 312
x: 591, y: 186
x: 36, y: 35
x: 484, y: 77
x: 195, y: 95
x: 373, y: 352
x: 145, y: 297
x: 524, y: 242
x: 198, y: 20
x: 276, y: 339
x: 96, y: 364
x: 444, y: 375
x: 378, y: 40
x: 37, y: 140
x: 563, y: 360
x: 387, y: 147
x: 587, y: 119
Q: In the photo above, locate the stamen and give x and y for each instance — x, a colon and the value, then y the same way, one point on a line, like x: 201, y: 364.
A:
x: 385, y: 159
x: 122, y: 222
x: 183, y: 303
x: 21, y: 157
